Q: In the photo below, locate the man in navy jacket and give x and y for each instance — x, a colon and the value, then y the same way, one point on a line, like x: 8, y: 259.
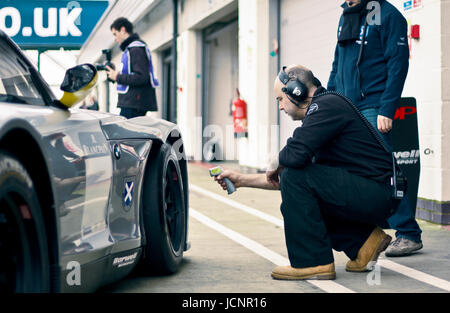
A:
x: 370, y: 67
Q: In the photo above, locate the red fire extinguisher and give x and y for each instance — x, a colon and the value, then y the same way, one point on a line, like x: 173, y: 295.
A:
x: 239, y: 109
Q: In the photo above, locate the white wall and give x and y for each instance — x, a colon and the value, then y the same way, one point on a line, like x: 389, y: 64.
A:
x: 189, y: 99
x: 308, y: 37
x: 445, y: 84
x: 157, y: 27
x: 198, y: 14
x: 425, y: 83
x: 256, y: 77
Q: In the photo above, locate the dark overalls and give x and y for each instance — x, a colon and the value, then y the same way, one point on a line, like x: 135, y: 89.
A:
x: 336, y: 201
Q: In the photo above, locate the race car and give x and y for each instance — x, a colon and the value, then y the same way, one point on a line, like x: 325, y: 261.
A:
x: 86, y: 197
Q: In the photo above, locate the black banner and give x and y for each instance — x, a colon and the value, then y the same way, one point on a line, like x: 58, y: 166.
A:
x: 405, y: 140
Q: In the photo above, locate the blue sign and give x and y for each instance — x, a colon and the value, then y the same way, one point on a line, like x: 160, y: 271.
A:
x: 407, y: 5
x: 50, y: 23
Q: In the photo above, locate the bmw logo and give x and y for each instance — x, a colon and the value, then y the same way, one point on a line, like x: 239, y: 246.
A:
x: 116, y: 150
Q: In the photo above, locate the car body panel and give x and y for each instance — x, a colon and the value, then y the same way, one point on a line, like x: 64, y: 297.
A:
x: 96, y: 163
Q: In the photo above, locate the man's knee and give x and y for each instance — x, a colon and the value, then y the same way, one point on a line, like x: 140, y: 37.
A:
x: 296, y: 180
x: 289, y: 175
x: 294, y: 188
x: 316, y: 177
x: 302, y: 175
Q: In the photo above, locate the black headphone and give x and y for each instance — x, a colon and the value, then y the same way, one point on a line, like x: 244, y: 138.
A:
x: 295, y: 90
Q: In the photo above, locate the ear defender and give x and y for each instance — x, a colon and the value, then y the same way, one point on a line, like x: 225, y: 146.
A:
x: 296, y: 91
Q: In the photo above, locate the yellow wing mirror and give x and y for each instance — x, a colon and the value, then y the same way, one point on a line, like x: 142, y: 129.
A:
x: 77, y: 84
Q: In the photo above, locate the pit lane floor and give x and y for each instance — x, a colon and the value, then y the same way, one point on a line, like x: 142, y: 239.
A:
x: 237, y: 240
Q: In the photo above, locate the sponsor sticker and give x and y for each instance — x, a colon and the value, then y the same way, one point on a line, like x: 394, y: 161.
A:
x: 128, y: 194
x: 407, y: 157
x: 117, y: 151
x: 312, y: 108
x: 125, y: 260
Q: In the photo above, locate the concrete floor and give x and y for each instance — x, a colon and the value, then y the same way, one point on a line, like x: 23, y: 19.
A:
x: 224, y: 238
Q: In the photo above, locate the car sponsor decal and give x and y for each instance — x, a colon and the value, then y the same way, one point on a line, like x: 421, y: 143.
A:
x: 125, y: 260
x: 128, y: 193
x: 93, y: 144
x: 312, y: 108
x: 117, y: 151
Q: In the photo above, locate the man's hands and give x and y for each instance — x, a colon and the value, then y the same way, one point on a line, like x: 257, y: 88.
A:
x: 245, y: 180
x: 273, y: 172
x: 231, y: 175
x: 273, y: 176
x: 112, y: 74
x: 384, y: 124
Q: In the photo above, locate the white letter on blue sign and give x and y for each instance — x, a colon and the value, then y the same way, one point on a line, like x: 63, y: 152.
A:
x: 67, y: 22
x: 15, y: 21
x: 39, y: 28
x: 75, y: 4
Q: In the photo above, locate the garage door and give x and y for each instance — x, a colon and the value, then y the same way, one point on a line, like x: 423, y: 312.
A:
x: 222, y: 78
x: 308, y: 37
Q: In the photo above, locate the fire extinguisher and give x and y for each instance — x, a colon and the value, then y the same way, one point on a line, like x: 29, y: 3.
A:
x: 239, y: 110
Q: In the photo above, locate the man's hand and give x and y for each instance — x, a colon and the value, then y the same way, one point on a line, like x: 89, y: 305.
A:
x: 384, y: 124
x: 112, y: 74
x: 273, y: 176
x: 245, y: 180
x: 231, y: 175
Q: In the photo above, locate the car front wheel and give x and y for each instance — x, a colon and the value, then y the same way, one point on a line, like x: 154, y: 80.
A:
x: 24, y: 262
x: 164, y: 213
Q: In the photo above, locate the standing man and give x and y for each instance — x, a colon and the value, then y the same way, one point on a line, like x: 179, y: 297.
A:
x: 334, y: 178
x: 370, y: 67
x: 136, y: 81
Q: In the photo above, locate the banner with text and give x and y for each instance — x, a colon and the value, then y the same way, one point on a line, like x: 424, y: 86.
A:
x: 50, y: 24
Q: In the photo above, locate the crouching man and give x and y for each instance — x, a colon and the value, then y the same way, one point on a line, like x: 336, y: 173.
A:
x: 334, y: 176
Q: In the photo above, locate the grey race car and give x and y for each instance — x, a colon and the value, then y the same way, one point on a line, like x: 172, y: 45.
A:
x: 85, y: 196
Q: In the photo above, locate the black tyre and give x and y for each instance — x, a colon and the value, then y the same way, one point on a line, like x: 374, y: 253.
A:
x: 164, y: 213
x: 24, y: 261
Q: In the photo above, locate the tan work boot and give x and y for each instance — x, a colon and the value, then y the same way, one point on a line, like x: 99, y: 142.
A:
x: 316, y: 272
x: 369, y: 252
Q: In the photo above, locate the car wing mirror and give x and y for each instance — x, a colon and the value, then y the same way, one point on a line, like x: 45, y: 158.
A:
x: 77, y: 84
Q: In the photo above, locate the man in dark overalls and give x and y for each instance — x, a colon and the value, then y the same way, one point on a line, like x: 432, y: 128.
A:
x: 334, y: 176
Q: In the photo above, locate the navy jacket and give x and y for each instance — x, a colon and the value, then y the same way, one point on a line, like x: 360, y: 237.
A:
x: 141, y: 94
x: 334, y: 134
x: 384, y: 64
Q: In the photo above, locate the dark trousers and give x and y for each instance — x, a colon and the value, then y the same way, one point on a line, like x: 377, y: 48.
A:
x: 130, y: 113
x: 404, y: 219
x: 327, y: 208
